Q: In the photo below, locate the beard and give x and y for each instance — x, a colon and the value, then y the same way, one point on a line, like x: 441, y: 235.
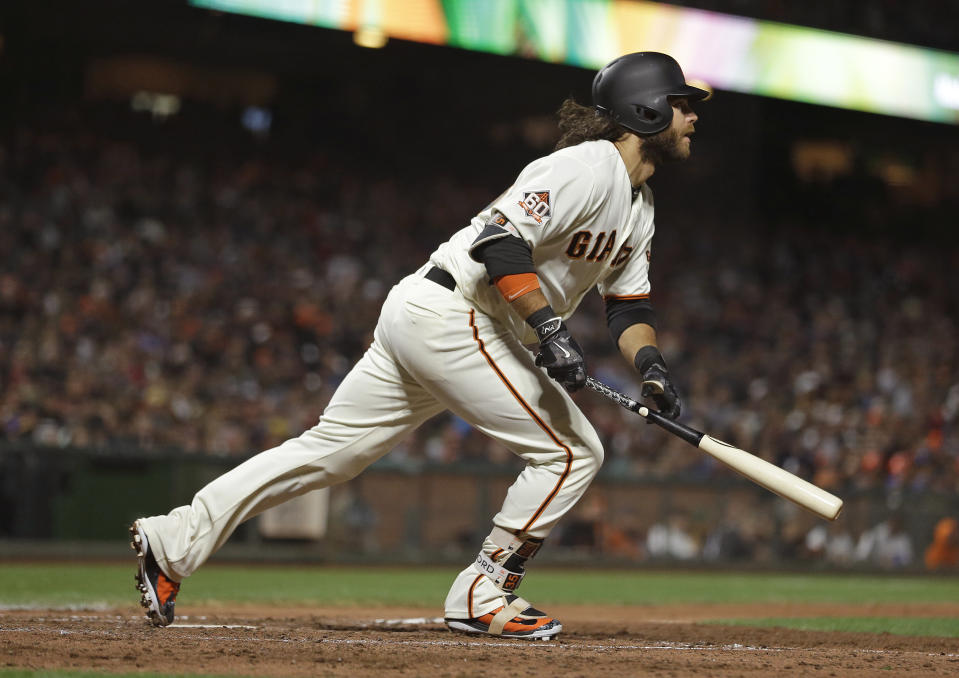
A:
x: 665, y: 147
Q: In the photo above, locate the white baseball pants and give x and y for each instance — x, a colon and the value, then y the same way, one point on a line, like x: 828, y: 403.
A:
x: 431, y: 352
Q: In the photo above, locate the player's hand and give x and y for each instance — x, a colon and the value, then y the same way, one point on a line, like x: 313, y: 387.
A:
x: 562, y: 357
x: 656, y: 382
x: 658, y: 386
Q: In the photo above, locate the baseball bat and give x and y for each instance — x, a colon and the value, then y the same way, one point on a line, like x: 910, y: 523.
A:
x: 761, y: 472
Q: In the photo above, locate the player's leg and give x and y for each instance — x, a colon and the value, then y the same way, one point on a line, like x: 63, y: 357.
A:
x: 532, y: 415
x: 478, y: 370
x: 377, y: 404
x: 373, y: 409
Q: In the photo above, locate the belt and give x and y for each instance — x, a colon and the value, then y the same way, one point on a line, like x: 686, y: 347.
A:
x: 441, y: 277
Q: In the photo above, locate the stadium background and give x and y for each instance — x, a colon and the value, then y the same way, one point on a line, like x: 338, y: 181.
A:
x: 201, y: 213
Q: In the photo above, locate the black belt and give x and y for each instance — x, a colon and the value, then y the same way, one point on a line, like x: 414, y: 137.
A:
x: 441, y: 277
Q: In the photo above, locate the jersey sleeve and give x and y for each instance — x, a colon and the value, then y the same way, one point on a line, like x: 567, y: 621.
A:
x: 549, y: 198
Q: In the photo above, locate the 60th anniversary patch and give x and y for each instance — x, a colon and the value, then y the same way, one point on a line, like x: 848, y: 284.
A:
x: 536, y: 204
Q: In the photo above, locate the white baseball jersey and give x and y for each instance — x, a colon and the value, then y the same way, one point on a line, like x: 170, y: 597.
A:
x: 438, y: 349
x: 575, y: 209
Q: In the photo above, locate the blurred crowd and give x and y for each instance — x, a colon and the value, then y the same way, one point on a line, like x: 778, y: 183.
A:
x: 834, y: 356
x: 168, y: 288
x: 742, y: 534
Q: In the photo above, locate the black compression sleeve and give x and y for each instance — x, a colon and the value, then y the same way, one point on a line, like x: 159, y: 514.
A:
x: 621, y: 314
x: 505, y: 256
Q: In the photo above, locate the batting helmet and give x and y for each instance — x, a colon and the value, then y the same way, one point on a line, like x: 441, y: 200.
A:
x: 634, y: 88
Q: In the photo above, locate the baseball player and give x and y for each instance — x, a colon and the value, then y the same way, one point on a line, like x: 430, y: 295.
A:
x: 454, y: 336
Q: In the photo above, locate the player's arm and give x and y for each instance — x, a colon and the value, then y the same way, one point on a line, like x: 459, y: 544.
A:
x: 509, y: 264
x: 632, y: 325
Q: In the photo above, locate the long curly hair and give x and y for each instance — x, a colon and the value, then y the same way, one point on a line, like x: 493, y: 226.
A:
x: 578, y: 123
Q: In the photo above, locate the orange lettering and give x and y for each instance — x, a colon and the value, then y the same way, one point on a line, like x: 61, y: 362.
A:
x: 579, y: 243
x: 599, y: 241
x: 610, y: 243
x: 621, y: 256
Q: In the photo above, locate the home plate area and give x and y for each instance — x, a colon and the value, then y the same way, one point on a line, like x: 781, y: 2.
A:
x: 351, y: 641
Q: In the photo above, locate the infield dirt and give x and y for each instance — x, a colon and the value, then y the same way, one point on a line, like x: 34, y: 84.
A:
x: 668, y: 640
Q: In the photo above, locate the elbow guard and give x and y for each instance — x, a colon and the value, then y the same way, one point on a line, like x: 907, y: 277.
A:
x: 496, y: 228
x: 501, y: 250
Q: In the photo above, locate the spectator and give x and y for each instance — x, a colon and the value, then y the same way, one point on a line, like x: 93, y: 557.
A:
x: 886, y: 544
x: 943, y: 552
x: 830, y: 543
x: 672, y: 539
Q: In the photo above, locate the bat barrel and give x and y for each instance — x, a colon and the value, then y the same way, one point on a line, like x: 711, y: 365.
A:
x: 774, y: 479
x: 760, y: 471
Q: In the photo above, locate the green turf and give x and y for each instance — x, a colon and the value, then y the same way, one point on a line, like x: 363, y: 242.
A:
x: 943, y: 627
x: 107, y: 585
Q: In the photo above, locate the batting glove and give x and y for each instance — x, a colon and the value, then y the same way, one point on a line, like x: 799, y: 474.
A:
x: 560, y: 354
x: 656, y: 382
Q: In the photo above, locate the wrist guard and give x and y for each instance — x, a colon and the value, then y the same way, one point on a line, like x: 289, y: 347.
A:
x: 545, y: 322
x: 648, y: 356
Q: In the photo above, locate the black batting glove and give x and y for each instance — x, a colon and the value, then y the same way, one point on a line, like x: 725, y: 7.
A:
x: 656, y: 382
x: 558, y: 351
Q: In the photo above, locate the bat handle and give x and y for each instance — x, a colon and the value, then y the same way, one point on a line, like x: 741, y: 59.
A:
x: 616, y: 396
x: 690, y: 435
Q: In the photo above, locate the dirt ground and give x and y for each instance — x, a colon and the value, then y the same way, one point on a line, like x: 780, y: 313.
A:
x: 386, y: 642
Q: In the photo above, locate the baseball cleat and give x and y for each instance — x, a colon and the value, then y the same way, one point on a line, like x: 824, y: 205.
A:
x: 158, y: 592
x: 517, y: 619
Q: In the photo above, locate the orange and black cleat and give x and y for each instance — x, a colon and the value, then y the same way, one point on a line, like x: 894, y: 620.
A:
x: 516, y: 619
x: 158, y: 591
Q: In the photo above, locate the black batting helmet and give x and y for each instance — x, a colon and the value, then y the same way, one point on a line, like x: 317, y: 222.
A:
x: 634, y: 87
